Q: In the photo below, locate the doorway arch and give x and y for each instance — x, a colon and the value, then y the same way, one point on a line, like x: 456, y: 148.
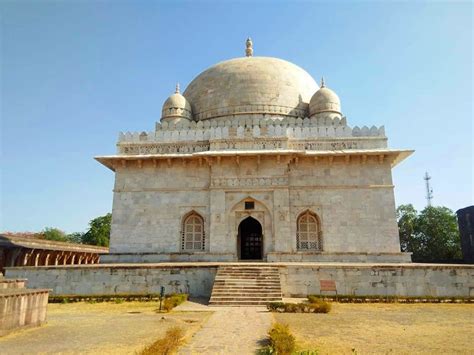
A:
x: 250, y: 240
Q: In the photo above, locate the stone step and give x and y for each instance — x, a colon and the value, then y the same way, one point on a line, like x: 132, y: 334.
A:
x: 244, y: 299
x: 246, y: 283
x: 247, y: 280
x: 268, y: 278
x: 238, y: 303
x: 243, y: 295
x: 254, y: 274
x: 234, y: 277
x: 251, y: 272
x: 246, y: 287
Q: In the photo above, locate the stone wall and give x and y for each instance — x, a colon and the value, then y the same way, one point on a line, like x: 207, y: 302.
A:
x: 297, y: 279
x: 435, y: 280
x: 352, y: 198
x: 120, y: 279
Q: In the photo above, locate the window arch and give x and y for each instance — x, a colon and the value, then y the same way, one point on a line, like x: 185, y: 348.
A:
x: 308, y: 234
x: 192, y: 233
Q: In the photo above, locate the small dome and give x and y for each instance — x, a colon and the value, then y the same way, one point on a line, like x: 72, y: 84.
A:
x: 176, y: 106
x: 324, y: 100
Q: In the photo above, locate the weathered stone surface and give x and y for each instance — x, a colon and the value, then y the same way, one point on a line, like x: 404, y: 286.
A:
x: 297, y: 279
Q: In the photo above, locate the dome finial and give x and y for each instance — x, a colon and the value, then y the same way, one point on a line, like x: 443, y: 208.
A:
x: 177, y: 89
x: 249, y: 49
x: 323, y: 85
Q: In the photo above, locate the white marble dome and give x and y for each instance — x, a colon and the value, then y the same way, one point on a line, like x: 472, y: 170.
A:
x: 251, y: 85
x: 175, y: 107
x: 324, y: 100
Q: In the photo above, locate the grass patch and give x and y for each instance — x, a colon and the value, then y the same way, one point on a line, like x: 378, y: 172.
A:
x: 401, y: 328
x: 166, y: 345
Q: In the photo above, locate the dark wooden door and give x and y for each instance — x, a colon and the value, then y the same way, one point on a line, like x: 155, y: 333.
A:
x: 251, y: 241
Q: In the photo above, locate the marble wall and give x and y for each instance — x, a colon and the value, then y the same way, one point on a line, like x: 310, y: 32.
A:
x: 353, y: 199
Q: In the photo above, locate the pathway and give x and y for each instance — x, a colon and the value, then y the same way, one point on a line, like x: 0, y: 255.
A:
x: 231, y: 330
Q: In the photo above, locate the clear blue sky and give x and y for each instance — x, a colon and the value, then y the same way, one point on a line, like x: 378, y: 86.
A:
x: 75, y: 73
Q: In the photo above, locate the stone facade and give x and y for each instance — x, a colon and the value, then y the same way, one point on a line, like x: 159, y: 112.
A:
x: 245, y: 144
x: 297, y: 279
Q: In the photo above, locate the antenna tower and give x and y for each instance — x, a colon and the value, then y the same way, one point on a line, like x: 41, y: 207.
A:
x: 429, y: 190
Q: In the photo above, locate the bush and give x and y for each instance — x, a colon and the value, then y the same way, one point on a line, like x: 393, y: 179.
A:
x: 275, y: 306
x: 282, y: 342
x: 174, y: 300
x: 167, y: 345
x: 318, y: 306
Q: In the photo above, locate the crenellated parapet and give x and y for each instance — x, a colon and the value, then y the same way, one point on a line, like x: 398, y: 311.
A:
x: 248, y: 134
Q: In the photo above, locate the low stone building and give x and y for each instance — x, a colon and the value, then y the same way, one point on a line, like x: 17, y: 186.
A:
x: 25, y: 250
x: 254, y: 161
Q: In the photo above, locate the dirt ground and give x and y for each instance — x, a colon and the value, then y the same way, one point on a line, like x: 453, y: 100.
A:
x: 101, y: 328
x: 385, y: 329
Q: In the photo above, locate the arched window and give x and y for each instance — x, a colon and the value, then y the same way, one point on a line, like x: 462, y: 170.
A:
x: 308, y: 235
x: 192, y: 235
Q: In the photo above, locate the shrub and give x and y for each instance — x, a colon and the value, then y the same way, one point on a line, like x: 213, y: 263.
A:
x: 167, y: 345
x: 174, y: 300
x: 282, y: 342
x: 318, y: 306
x: 275, y: 306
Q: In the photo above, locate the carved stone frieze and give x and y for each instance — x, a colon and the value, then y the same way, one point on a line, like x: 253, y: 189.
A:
x: 249, y: 181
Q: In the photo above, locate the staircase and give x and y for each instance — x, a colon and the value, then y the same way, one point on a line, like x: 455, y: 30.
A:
x: 246, y: 285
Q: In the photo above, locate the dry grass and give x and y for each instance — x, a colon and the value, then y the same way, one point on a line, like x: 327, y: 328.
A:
x: 100, y: 328
x: 166, y: 345
x: 385, y: 328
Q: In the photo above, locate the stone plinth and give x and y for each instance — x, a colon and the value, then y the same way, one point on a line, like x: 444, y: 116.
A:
x: 297, y: 279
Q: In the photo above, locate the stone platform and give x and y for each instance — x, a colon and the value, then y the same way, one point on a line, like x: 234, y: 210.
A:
x: 297, y: 279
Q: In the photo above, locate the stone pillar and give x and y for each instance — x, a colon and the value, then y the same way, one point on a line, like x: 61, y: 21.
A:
x: 46, y: 257
x: 37, y: 254
x: 57, y: 257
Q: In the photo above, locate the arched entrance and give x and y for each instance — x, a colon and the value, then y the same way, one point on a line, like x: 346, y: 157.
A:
x: 250, y: 239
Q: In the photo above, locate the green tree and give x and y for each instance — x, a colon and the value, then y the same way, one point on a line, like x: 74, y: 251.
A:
x: 431, y: 235
x: 406, y: 216
x: 99, y: 231
x: 75, y: 237
x: 56, y: 234
x: 438, y: 232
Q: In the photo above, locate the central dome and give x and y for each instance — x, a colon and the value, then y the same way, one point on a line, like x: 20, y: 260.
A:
x: 251, y: 85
